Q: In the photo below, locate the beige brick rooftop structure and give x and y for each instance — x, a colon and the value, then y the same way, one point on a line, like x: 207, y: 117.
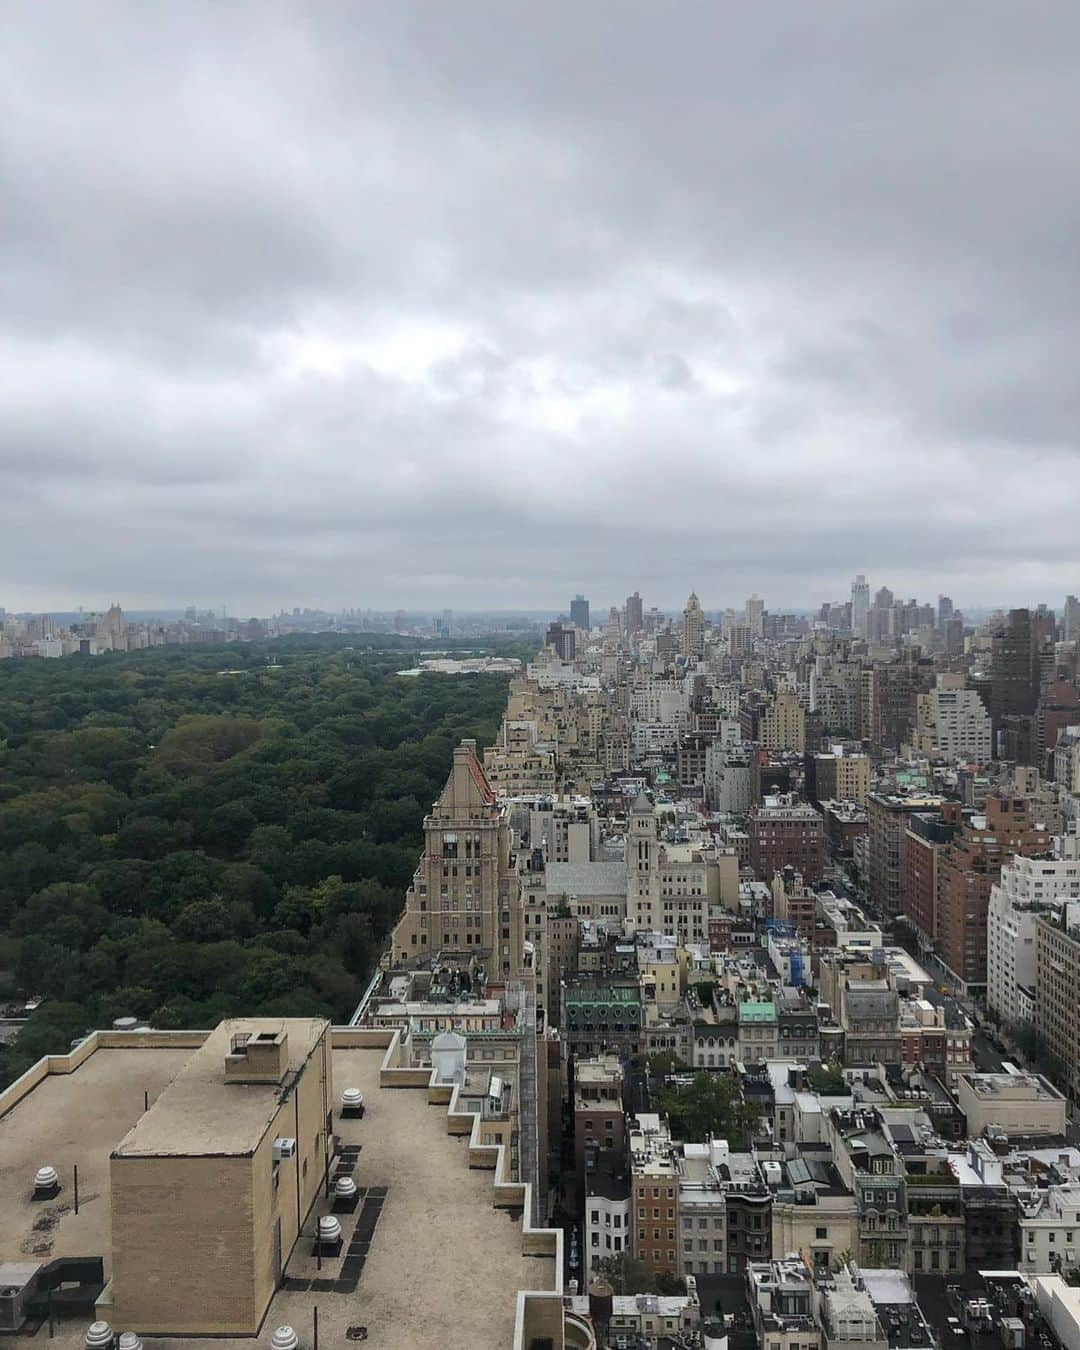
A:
x: 451, y: 1257
x: 204, y: 1211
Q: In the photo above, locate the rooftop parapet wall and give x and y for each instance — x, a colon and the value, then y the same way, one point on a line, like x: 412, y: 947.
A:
x: 539, y: 1312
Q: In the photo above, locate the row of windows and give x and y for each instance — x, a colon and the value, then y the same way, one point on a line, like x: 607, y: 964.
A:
x: 450, y: 937
x: 935, y: 1260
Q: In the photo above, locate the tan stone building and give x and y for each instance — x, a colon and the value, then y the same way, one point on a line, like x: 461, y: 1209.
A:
x: 671, y: 887
x: 520, y: 761
x: 465, y: 898
x: 853, y: 778
x: 224, y: 1167
x: 1020, y: 1103
x: 819, y: 1224
x: 693, y: 634
x: 783, y: 723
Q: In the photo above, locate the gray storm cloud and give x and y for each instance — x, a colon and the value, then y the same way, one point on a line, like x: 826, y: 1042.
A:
x: 475, y: 304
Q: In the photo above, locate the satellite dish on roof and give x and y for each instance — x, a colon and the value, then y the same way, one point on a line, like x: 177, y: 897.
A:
x: 448, y: 1057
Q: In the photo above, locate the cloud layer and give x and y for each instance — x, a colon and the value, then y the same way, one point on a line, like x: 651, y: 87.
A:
x: 477, y: 304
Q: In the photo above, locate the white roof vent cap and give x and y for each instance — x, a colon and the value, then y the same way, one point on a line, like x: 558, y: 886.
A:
x: 46, y: 1179
x: 99, y: 1335
x: 284, y: 1338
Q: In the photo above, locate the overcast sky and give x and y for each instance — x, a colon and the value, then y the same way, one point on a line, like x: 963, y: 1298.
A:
x: 481, y: 304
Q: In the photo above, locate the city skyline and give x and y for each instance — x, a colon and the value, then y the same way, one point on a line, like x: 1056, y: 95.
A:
x: 601, y: 602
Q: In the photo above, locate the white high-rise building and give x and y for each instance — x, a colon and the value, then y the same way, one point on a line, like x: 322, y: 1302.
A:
x: 1067, y: 760
x: 728, y: 778
x: 860, y: 605
x: 954, y: 725
x: 1028, y: 887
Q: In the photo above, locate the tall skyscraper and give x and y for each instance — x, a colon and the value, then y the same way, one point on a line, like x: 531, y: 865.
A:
x: 579, y: 613
x: 944, y: 610
x: 954, y: 636
x: 693, y: 639
x: 635, y: 614
x: 880, y: 622
x: 755, y: 615
x: 860, y: 605
x: 1071, y: 618
x: 563, y: 640
x: 1014, y: 678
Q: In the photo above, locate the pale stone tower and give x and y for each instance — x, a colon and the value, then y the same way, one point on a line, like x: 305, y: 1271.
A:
x: 642, y: 905
x: 693, y: 630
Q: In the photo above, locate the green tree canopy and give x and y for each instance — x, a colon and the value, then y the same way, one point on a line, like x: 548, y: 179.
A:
x: 710, y: 1106
x: 189, y: 833
x: 627, y: 1275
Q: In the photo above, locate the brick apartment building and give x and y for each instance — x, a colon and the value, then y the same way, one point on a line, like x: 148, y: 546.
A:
x: 967, y: 869
x: 926, y: 835
x: 783, y: 834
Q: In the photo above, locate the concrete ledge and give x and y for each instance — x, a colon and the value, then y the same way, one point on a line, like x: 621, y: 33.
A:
x: 14, y: 1093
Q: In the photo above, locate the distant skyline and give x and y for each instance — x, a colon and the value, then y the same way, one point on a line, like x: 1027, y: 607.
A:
x: 462, y: 305
x: 600, y: 604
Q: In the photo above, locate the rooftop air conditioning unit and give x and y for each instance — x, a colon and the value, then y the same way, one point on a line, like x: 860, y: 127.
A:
x: 17, y: 1283
x: 284, y: 1148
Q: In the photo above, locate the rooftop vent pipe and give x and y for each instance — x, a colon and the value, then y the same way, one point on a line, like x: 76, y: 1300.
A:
x: 352, y: 1102
x: 46, y: 1182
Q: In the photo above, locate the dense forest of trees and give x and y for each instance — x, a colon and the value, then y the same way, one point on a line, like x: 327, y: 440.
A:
x: 187, y: 833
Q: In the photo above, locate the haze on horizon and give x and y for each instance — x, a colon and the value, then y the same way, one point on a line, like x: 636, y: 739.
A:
x: 476, y: 306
